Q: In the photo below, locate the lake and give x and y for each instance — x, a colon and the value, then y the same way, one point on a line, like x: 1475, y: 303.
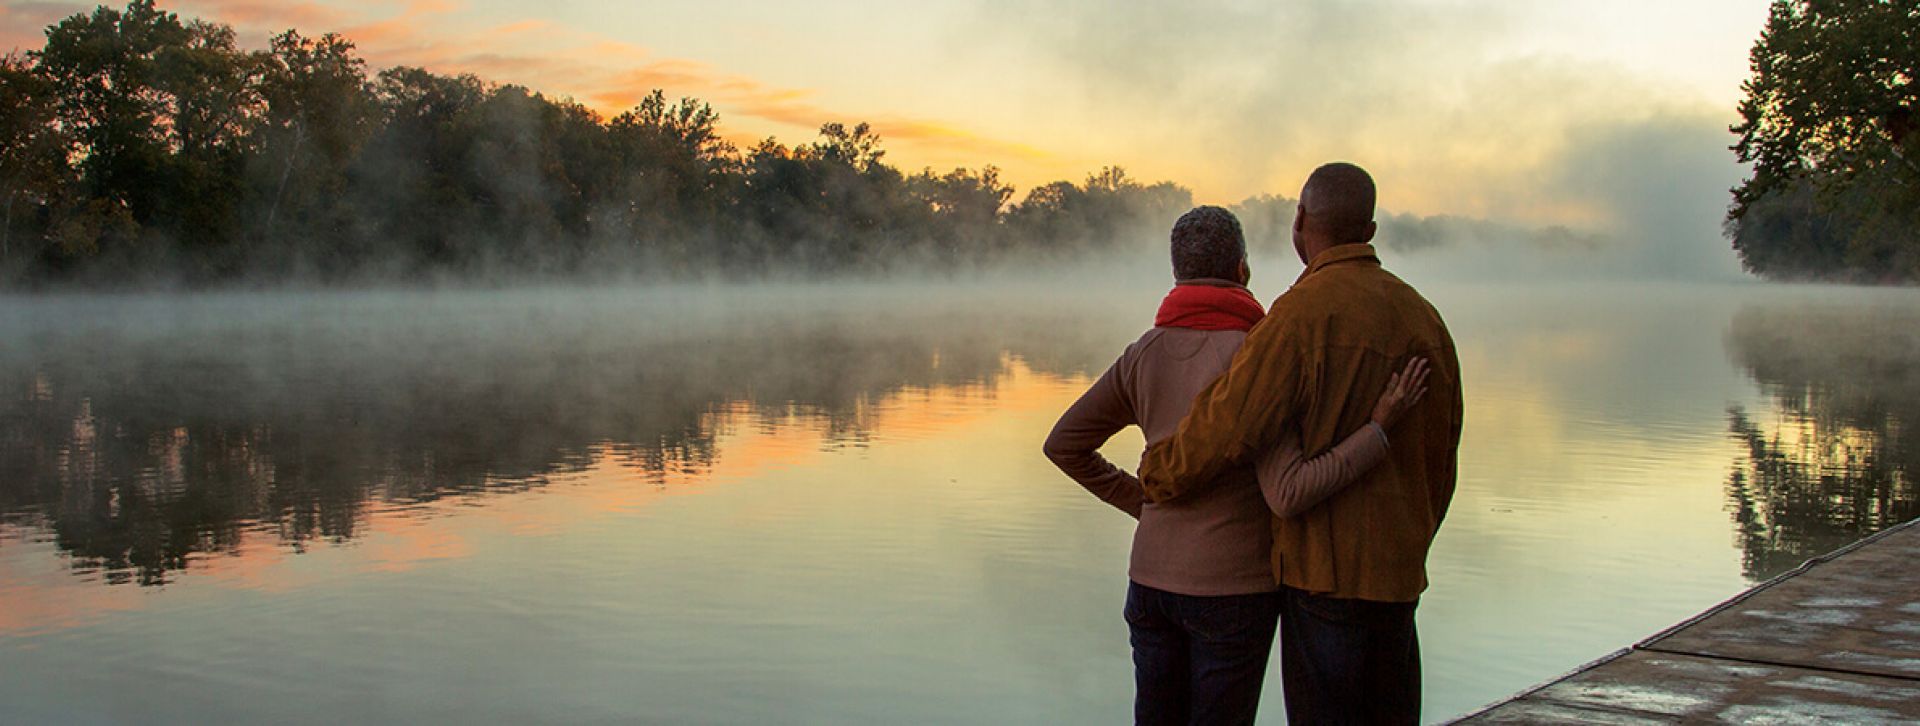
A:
x: 827, y: 503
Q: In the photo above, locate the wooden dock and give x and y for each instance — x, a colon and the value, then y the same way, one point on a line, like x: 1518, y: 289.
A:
x: 1835, y: 641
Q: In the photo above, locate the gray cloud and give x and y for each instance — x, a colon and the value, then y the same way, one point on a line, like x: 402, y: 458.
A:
x: 1254, y: 82
x: 1431, y: 96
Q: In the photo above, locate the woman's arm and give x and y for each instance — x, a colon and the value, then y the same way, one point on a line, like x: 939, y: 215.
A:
x: 1074, y: 445
x: 1293, y: 485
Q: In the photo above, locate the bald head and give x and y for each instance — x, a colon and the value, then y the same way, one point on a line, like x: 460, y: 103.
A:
x: 1340, y: 198
x: 1336, y: 208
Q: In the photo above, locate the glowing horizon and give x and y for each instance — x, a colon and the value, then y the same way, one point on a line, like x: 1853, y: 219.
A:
x: 1472, y: 108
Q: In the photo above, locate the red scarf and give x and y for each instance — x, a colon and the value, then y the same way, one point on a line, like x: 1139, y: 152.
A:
x: 1209, y: 307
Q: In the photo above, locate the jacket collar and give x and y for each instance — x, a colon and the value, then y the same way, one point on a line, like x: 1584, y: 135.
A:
x: 1339, y: 254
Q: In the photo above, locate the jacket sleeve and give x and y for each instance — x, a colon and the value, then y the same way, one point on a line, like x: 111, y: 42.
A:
x: 1292, y: 485
x: 1240, y: 413
x: 1074, y: 445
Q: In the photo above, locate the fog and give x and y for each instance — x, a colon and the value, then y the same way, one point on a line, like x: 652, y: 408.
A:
x: 1452, y: 106
x: 147, y: 428
x: 224, y: 412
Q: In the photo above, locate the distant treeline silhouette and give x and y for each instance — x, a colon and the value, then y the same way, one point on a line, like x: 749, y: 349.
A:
x: 136, y: 143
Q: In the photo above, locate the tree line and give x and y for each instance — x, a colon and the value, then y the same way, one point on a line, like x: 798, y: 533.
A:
x: 1831, y: 125
x: 136, y: 143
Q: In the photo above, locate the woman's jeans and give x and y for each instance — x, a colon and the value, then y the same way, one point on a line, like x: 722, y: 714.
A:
x: 1199, y: 660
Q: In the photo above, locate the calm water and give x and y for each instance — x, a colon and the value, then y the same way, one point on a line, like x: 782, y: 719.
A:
x: 827, y: 504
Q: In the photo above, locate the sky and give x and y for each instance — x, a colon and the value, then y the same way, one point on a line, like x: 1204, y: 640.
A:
x: 1536, y: 111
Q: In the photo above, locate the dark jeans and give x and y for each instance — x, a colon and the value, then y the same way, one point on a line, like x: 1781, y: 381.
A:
x: 1199, y: 660
x: 1349, y: 661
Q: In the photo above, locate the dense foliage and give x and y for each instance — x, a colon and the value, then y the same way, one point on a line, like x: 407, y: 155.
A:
x: 1829, y: 126
x: 137, y: 144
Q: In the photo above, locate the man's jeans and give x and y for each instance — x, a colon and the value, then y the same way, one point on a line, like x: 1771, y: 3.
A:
x: 1199, y: 660
x: 1349, y: 661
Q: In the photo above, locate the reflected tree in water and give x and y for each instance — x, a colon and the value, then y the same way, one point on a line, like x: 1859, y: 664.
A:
x: 139, y: 455
x: 1834, y: 460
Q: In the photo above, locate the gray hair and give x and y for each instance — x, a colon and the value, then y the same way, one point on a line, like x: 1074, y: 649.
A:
x: 1207, y: 242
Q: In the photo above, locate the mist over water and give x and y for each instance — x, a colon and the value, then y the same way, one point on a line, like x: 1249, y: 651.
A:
x: 412, y: 397
x: 806, y: 501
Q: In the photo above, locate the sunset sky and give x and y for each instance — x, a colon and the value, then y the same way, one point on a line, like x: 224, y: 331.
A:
x: 1546, y: 111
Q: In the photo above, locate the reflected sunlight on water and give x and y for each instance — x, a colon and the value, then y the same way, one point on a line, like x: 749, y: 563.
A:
x: 782, y: 505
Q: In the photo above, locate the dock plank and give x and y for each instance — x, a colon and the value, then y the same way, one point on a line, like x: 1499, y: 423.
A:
x: 1837, y: 641
x: 1860, y: 612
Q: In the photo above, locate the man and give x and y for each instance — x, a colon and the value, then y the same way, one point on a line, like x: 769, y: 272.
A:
x: 1202, y: 602
x: 1351, y: 569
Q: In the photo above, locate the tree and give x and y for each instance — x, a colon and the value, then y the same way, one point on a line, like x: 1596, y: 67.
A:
x: 105, y: 71
x: 33, y: 159
x: 211, y: 89
x: 667, y: 178
x: 1268, y: 222
x: 161, y: 112
x: 858, y: 148
x: 829, y: 206
x: 320, y: 112
x: 1109, y: 212
x: 136, y: 141
x: 1832, y: 107
x: 410, y: 182
x: 963, y: 209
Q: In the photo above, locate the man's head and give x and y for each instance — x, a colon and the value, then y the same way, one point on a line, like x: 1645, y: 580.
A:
x: 1336, y: 208
x: 1207, y: 242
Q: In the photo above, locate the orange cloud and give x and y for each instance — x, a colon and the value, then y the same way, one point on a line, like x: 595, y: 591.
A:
x: 253, y: 14
x: 23, y: 25
x: 401, y: 31
x: 607, y: 74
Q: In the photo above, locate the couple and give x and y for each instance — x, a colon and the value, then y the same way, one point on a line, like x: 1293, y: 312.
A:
x: 1293, y: 478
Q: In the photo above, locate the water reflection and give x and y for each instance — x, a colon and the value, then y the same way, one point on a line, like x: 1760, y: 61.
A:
x: 1834, y: 460
x: 142, y: 444
x: 873, y: 522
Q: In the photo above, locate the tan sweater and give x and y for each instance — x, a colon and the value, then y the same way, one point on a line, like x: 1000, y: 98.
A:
x: 1217, y: 541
